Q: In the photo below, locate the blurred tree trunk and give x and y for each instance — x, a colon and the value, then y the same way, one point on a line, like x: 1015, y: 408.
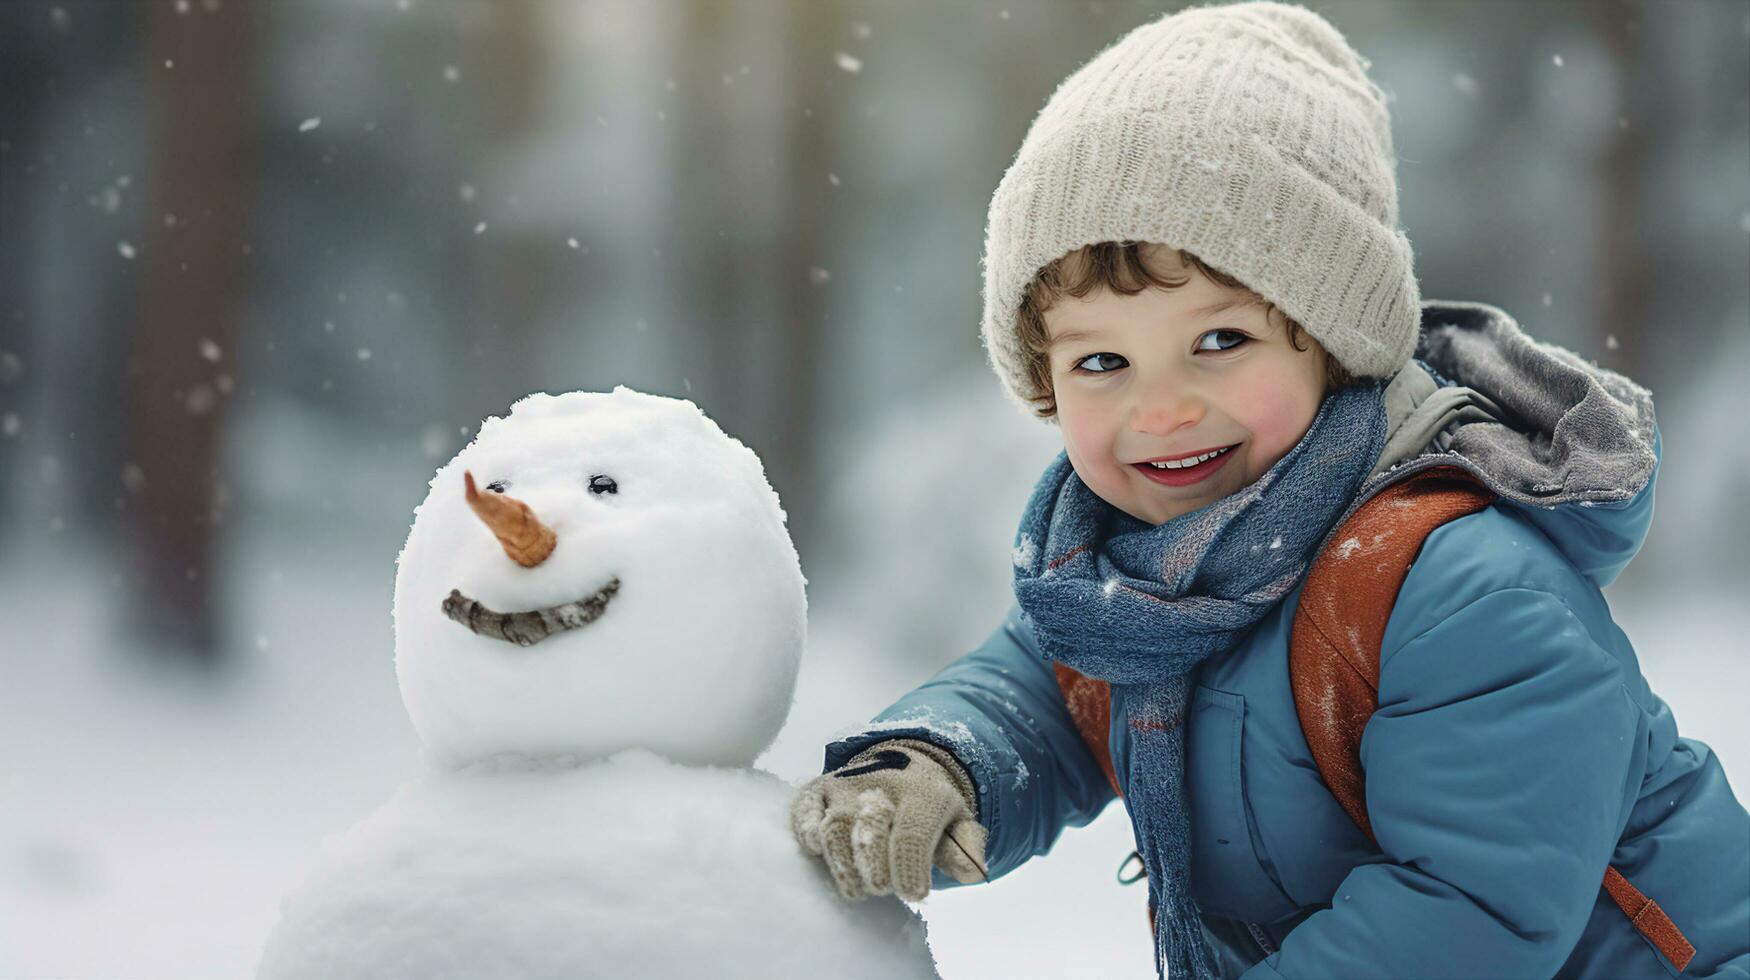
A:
x: 1624, y: 267
x: 759, y: 92
x: 511, y: 57
x: 193, y: 260
x: 815, y: 99
x: 24, y: 80
x: 718, y: 201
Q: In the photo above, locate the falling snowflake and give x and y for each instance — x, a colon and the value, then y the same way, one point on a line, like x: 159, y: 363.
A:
x: 1464, y: 83
x: 848, y: 62
x: 210, y: 350
x: 200, y: 399
x: 434, y: 441
x: 309, y: 124
x: 126, y: 250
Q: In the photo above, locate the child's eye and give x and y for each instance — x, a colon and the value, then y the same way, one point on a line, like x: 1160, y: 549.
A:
x: 1103, y: 362
x: 1241, y: 342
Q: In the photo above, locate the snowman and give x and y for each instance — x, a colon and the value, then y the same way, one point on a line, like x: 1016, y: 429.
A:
x: 598, y: 621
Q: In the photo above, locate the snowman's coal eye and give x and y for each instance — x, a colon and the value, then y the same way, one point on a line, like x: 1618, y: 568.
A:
x: 496, y: 486
x: 603, y: 484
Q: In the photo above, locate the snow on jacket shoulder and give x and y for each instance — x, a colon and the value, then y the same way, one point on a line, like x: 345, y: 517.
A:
x: 1517, y: 751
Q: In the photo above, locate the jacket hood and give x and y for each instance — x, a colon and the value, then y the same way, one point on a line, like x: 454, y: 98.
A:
x: 1574, y: 446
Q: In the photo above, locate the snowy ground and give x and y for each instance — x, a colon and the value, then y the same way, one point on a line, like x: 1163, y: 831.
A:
x: 151, y: 823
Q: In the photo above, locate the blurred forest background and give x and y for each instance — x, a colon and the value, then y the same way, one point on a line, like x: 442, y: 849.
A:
x: 265, y: 266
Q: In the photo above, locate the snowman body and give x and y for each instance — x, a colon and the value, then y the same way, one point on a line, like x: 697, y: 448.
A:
x: 598, y: 618
x: 627, y: 867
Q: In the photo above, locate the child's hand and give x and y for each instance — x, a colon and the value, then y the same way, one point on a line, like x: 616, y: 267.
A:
x: 883, y: 818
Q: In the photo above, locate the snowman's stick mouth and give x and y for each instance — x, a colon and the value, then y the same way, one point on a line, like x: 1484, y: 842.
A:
x: 531, y: 627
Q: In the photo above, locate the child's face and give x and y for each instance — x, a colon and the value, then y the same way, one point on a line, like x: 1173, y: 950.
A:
x: 1158, y: 375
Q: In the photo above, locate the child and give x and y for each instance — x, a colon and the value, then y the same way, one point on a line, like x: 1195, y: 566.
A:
x: 1195, y: 256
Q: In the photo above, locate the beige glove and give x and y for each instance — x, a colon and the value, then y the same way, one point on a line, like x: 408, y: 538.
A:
x: 883, y: 818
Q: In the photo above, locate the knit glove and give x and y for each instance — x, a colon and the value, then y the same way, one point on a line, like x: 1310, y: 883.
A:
x: 883, y: 818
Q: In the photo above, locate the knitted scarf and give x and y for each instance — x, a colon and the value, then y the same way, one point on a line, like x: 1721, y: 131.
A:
x: 1141, y: 605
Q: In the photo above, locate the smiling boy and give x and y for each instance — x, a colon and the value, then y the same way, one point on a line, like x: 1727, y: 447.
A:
x: 1196, y: 251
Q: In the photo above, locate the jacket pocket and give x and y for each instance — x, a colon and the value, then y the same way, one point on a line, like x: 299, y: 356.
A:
x: 1227, y: 874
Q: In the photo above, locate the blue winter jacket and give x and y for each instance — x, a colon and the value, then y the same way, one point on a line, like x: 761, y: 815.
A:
x: 1516, y: 753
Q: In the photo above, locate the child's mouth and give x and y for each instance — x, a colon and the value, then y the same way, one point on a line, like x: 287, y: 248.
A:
x: 1186, y: 475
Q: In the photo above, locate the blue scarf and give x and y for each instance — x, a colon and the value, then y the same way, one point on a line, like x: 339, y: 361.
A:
x: 1141, y: 605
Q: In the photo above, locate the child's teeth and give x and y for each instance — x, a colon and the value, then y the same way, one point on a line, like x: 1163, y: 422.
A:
x: 1181, y: 464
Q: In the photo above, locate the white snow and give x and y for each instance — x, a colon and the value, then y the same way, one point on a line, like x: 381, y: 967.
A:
x: 626, y: 867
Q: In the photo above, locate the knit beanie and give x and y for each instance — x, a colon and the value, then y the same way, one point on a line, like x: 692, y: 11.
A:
x: 1248, y: 134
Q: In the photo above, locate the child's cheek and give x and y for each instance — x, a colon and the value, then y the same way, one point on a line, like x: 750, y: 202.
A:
x: 1087, y: 438
x: 1277, y: 408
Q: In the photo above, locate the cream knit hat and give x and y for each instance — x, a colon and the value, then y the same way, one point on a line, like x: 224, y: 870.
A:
x: 1248, y: 134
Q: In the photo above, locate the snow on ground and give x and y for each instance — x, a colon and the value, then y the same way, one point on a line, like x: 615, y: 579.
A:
x: 151, y: 823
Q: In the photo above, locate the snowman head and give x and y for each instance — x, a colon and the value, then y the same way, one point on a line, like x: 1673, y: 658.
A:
x: 594, y: 572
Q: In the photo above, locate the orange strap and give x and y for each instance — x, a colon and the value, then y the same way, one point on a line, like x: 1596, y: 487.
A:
x: 1333, y: 652
x: 1650, y: 919
x: 1090, y: 707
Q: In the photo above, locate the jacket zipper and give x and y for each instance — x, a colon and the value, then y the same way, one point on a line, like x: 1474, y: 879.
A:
x: 1262, y: 940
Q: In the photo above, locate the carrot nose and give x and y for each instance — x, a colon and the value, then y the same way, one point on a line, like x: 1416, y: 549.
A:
x: 525, y: 539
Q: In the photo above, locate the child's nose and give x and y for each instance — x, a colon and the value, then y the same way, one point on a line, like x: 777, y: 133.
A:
x: 1164, y: 410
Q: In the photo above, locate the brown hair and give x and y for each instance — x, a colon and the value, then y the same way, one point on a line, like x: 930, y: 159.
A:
x: 1122, y: 268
